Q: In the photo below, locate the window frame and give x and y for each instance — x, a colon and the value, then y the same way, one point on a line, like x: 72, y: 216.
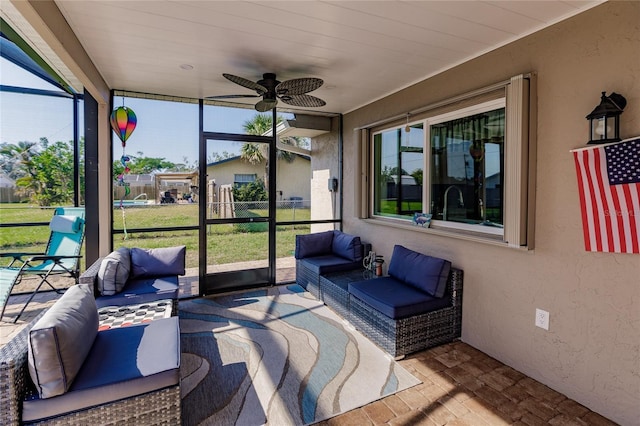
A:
x: 244, y: 182
x: 519, y: 94
x: 373, y: 167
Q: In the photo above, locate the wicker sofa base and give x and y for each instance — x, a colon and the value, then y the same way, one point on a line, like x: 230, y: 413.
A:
x: 308, y: 279
x: 400, y: 337
x: 404, y: 336
x: 161, y: 407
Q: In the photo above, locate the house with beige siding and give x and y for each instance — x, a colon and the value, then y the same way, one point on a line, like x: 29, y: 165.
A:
x: 294, y: 176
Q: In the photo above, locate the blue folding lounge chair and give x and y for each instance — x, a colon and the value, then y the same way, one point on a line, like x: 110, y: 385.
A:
x: 62, y: 256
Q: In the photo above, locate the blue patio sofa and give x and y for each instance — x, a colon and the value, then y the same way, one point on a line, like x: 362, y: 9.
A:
x: 132, y: 276
x: 325, y: 252
x: 61, y: 370
x: 419, y: 305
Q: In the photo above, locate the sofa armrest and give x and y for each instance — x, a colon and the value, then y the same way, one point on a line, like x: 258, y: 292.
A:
x: 90, y: 276
x: 454, y: 290
x: 454, y: 287
x: 14, y: 375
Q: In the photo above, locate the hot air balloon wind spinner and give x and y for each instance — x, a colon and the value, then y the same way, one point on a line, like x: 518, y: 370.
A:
x: 123, y: 122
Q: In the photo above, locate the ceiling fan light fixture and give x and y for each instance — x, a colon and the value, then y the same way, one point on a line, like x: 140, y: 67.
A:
x: 292, y: 92
x: 266, y: 105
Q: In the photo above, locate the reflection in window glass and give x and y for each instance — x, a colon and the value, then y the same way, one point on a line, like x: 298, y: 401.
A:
x: 467, y: 169
x: 398, y: 170
x: 240, y: 179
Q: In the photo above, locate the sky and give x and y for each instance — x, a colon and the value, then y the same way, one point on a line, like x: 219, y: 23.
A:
x: 164, y: 129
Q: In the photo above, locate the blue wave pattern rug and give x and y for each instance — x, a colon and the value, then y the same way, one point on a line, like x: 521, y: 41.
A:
x: 277, y: 357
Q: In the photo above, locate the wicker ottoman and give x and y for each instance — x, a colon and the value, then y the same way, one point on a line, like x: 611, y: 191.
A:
x: 334, y: 289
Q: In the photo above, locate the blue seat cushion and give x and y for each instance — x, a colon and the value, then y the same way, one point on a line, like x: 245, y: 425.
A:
x: 423, y: 272
x: 142, y: 290
x: 122, y: 363
x: 326, y: 264
x: 394, y: 299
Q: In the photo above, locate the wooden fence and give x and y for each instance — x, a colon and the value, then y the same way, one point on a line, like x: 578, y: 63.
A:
x: 8, y: 195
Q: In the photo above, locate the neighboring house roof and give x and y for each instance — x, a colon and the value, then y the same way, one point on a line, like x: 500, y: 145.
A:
x: 237, y: 157
x: 6, y: 181
x: 144, y: 178
x: 406, y: 179
x: 226, y: 160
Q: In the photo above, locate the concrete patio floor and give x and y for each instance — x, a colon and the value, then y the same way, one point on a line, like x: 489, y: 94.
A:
x: 460, y: 385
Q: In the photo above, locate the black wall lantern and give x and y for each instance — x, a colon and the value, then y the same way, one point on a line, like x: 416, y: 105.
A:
x: 604, y: 120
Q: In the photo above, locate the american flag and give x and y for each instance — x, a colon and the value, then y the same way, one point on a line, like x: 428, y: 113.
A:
x: 609, y: 188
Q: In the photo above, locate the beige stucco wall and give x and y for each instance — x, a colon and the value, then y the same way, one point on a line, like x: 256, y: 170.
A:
x: 293, y: 178
x: 591, y: 351
x: 325, y: 165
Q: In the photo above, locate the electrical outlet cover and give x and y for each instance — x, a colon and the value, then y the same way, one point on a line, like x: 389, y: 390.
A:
x: 542, y: 319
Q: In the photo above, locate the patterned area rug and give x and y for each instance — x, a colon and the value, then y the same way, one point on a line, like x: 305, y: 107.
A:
x: 277, y: 357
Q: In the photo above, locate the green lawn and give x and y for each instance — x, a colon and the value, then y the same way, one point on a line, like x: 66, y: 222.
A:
x: 225, y: 243
x: 391, y: 206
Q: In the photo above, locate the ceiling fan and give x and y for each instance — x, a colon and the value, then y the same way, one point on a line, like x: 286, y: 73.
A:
x: 292, y: 92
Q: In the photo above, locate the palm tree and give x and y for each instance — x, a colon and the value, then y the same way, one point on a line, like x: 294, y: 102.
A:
x: 17, y: 161
x: 17, y: 158
x: 256, y: 153
x: 259, y: 125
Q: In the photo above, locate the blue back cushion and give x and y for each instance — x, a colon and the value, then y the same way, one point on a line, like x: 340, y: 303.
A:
x: 347, y: 246
x: 426, y: 273
x: 400, y: 260
x: 157, y: 262
x: 317, y: 244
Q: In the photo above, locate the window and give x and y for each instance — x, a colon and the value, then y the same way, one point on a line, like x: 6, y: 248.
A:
x: 398, y: 170
x: 468, y: 167
x: 243, y: 179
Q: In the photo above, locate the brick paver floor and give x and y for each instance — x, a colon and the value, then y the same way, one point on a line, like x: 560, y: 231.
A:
x: 460, y: 386
x: 463, y: 386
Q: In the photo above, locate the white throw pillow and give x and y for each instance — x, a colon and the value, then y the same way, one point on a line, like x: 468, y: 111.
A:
x: 60, y: 341
x: 114, y: 272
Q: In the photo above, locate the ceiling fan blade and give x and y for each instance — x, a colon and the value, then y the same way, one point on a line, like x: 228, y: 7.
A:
x: 246, y: 83
x: 232, y: 96
x: 298, y: 86
x: 303, y: 101
x: 266, y: 105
